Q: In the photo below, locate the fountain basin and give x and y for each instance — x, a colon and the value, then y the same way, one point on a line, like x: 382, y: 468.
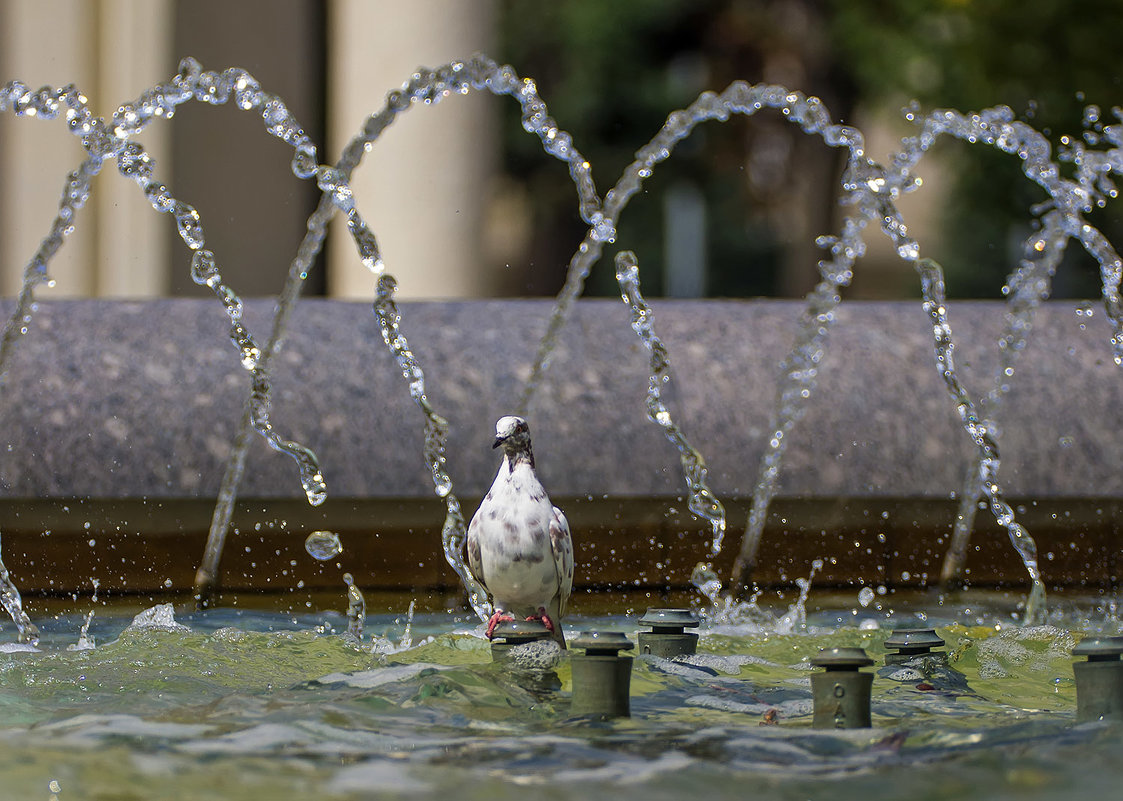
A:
x: 116, y: 443
x: 146, y: 406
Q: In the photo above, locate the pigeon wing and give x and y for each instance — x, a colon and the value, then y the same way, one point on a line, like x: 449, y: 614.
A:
x: 561, y: 543
x: 475, y: 561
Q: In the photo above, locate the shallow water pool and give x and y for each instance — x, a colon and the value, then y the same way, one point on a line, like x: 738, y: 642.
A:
x: 231, y: 704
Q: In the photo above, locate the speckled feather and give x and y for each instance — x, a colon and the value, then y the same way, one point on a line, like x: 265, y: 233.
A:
x: 519, y: 543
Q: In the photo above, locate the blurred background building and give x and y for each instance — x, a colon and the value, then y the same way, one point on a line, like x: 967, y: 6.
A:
x: 465, y: 203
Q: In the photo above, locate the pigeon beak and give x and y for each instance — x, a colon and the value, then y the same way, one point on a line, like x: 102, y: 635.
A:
x: 497, y: 443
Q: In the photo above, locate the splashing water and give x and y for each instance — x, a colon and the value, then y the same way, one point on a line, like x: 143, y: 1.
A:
x: 874, y: 190
x: 356, y: 608
x: 934, y: 303
x: 795, y: 619
x: 425, y: 88
x: 384, y: 646
x: 104, y: 140
x: 111, y: 140
x: 157, y: 618
x: 739, y: 98
x: 707, y: 581
x: 996, y: 127
x: 454, y: 532
x: 800, y: 368
x: 799, y: 374
x: 1031, y: 283
x: 216, y: 89
x: 85, y: 642
x: 46, y: 104
x: 1028, y: 287
x: 428, y: 87
x: 725, y: 610
x: 407, y: 635
x: 74, y: 196
x: 701, y: 501
x: 13, y: 605
x: 323, y: 545
x: 868, y: 187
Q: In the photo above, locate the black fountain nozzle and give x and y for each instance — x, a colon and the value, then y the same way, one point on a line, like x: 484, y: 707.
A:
x: 841, y: 693
x: 602, y: 676
x: 1099, y: 680
x: 668, y: 637
x: 510, y: 633
x: 913, y: 643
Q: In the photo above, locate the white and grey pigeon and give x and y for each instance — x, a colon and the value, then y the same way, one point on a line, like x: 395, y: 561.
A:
x: 519, y: 545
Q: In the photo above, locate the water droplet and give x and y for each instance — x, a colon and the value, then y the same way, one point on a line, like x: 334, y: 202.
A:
x: 187, y: 221
x: 909, y: 251
x: 204, y: 270
x: 323, y: 545
x: 356, y: 607
x: 304, y: 162
x: 865, y: 597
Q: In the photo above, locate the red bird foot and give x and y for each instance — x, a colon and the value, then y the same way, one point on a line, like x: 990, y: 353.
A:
x: 494, y: 621
x: 542, y: 616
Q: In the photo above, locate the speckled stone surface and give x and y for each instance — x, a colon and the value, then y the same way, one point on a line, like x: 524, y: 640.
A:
x: 107, y: 399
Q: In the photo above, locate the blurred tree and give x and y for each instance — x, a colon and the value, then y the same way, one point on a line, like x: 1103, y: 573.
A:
x: 611, y: 72
x: 1045, y: 60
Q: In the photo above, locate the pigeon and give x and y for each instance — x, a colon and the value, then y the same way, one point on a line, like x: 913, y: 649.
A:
x: 519, y: 545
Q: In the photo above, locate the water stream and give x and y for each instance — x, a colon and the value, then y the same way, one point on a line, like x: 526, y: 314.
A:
x: 347, y: 705
x: 701, y: 500
x: 103, y: 140
x: 13, y: 605
x: 1027, y: 288
x: 869, y: 190
x: 455, y: 528
x: 425, y: 88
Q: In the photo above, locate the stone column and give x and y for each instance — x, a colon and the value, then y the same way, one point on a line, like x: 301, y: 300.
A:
x: 422, y: 188
x: 112, y: 51
x: 43, y: 43
x: 134, y: 52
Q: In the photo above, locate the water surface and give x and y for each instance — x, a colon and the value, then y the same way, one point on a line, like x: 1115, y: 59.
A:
x: 236, y: 704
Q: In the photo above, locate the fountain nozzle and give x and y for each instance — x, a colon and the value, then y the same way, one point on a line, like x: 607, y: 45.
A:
x: 841, y: 693
x: 668, y: 637
x: 602, y: 676
x: 913, y: 643
x: 1099, y: 680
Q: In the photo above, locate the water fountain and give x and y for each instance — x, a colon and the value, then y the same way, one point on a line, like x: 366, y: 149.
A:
x: 246, y: 690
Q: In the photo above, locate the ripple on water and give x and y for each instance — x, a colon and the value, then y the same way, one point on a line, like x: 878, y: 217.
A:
x: 297, y: 711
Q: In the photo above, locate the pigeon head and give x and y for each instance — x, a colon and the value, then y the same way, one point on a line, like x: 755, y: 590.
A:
x: 512, y: 434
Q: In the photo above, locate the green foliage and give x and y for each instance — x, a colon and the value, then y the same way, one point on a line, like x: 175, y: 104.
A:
x: 967, y: 54
x: 1044, y: 59
x: 612, y: 71
x: 601, y: 69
